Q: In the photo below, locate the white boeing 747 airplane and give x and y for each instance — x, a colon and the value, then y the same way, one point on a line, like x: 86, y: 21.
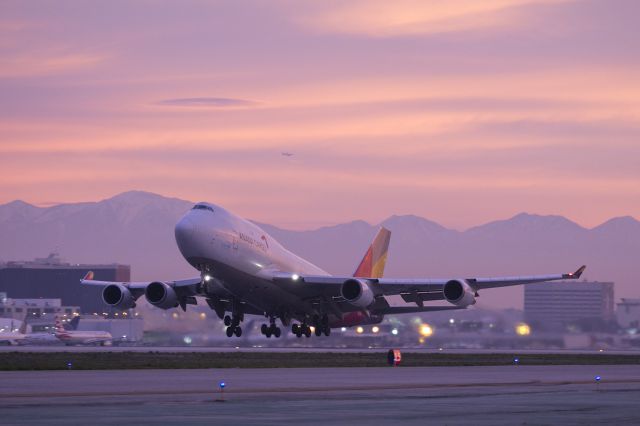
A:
x: 244, y: 271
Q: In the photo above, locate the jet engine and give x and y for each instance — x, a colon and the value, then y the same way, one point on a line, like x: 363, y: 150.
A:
x: 118, y: 296
x: 357, y: 292
x: 161, y: 295
x: 459, y: 292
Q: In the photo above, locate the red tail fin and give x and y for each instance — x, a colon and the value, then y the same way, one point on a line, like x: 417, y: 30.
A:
x: 59, y: 327
x: 374, y: 260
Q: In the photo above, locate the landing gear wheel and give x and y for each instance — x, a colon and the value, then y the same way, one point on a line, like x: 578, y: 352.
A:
x: 263, y: 329
x: 277, y: 332
x: 237, y: 331
x: 227, y: 320
x: 327, y: 331
x: 318, y: 331
x: 295, y: 328
x: 229, y: 331
x: 307, y: 331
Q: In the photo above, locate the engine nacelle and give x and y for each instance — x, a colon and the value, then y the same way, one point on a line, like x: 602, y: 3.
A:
x: 459, y: 292
x: 357, y: 292
x: 118, y: 296
x: 161, y: 295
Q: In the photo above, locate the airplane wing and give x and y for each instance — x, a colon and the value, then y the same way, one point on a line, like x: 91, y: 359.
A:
x: 186, y: 289
x: 412, y: 290
x: 137, y: 285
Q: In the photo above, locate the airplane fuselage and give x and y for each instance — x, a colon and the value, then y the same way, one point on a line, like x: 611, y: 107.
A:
x: 83, y: 337
x: 238, y: 255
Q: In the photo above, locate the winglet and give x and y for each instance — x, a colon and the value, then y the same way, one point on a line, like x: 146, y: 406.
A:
x: 88, y: 276
x: 577, y: 273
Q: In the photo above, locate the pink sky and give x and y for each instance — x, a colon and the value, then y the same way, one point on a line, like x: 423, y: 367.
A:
x: 458, y: 111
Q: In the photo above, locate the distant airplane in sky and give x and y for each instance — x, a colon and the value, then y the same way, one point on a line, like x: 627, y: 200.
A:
x: 287, y: 154
x: 244, y: 271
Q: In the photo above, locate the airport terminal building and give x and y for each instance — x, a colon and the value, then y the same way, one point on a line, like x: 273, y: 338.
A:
x: 51, y: 278
x: 556, y: 306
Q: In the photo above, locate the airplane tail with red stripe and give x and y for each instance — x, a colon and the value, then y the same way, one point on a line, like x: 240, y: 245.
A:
x: 374, y: 260
x: 59, y: 328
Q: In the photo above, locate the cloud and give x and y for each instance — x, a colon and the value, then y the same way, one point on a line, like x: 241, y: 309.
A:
x: 380, y: 18
x: 41, y: 64
x: 208, y: 102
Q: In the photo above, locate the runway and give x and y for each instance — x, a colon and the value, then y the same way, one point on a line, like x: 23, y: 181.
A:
x: 258, y: 348
x: 439, y: 395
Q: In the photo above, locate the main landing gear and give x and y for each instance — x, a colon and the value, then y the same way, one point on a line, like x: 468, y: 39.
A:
x: 233, y: 325
x: 320, y: 326
x: 272, y: 329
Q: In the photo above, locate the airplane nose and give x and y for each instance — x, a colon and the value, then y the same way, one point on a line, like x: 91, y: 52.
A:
x: 185, y: 229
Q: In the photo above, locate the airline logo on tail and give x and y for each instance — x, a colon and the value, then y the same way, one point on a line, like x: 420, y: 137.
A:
x: 59, y: 327
x: 374, y: 260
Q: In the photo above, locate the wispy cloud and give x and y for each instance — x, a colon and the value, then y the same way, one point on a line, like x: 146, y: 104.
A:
x: 207, y: 102
x: 36, y: 64
x: 380, y: 18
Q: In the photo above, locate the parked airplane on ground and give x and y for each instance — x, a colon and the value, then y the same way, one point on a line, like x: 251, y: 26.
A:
x: 243, y: 270
x: 14, y: 337
x: 22, y: 337
x: 75, y: 337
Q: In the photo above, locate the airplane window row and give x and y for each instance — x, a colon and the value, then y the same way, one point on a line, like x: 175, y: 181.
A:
x: 202, y: 207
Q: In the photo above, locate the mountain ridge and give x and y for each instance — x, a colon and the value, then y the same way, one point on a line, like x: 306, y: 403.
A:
x: 136, y: 228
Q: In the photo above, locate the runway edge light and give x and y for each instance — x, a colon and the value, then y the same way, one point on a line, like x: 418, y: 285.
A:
x: 221, y: 385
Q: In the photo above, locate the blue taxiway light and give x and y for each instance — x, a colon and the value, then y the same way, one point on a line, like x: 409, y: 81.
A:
x: 516, y: 360
x: 222, y: 385
x: 598, y: 378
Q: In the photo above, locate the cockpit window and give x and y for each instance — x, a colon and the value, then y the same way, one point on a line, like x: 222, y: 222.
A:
x: 202, y: 207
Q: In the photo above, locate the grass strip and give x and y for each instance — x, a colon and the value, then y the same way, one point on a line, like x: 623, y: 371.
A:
x: 177, y: 360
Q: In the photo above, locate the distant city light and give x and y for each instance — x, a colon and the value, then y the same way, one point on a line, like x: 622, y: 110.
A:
x: 187, y: 340
x: 343, y: 329
x: 394, y: 331
x: 523, y: 329
x: 426, y: 330
x: 452, y: 321
x: 359, y: 330
x: 375, y: 329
